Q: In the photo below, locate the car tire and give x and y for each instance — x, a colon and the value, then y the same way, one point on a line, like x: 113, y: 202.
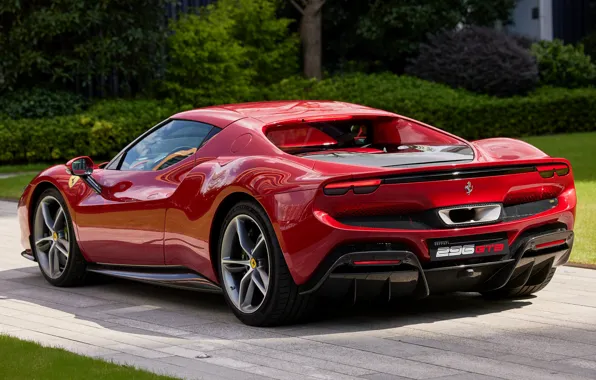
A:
x: 522, y: 291
x: 282, y: 303
x: 72, y: 267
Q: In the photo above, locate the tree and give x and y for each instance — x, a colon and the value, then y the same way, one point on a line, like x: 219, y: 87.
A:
x: 383, y: 34
x: 311, y: 35
x: 86, y: 45
x: 228, y: 51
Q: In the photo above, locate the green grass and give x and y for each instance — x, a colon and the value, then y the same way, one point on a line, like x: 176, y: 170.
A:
x: 37, y: 167
x: 584, y: 247
x: 12, y: 187
x: 27, y: 360
x: 580, y: 150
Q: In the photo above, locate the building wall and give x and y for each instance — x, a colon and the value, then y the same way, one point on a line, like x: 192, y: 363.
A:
x: 533, y: 18
x: 523, y: 23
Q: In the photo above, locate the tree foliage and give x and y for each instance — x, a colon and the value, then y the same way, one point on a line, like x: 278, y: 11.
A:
x: 481, y: 60
x: 589, y: 43
x: 271, y: 49
x: 564, y: 65
x: 78, y: 44
x: 227, y: 51
x: 383, y: 34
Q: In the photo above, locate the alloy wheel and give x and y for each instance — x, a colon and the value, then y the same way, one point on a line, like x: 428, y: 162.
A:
x: 245, y: 263
x: 51, y: 237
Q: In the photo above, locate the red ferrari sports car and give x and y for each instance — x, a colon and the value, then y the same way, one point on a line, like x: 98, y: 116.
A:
x: 276, y: 204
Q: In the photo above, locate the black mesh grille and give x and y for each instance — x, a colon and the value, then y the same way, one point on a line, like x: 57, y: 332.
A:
x: 520, y: 211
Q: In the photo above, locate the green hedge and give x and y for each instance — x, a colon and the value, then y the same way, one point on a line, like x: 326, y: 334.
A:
x: 108, y: 126
x: 546, y: 111
x: 100, y: 132
x: 39, y: 102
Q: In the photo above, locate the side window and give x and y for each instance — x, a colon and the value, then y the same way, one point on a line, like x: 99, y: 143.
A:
x: 166, y: 146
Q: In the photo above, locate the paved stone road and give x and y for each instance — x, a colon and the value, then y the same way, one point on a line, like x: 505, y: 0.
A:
x: 552, y: 336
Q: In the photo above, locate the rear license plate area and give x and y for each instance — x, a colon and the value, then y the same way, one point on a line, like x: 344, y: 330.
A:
x: 468, y: 247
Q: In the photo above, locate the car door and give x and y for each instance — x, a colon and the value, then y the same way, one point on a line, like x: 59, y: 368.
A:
x: 125, y: 223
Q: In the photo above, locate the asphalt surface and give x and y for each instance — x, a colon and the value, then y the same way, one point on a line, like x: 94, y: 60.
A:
x: 194, y: 335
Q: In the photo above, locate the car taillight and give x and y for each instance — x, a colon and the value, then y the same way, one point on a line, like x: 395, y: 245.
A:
x: 359, y: 187
x: 550, y: 244
x: 548, y: 171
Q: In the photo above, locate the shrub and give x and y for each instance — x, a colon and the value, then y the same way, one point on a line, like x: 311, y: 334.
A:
x: 271, y: 50
x: 101, y: 131
x: 39, y: 102
x: 228, y: 51
x: 564, y: 65
x: 107, y: 126
x: 481, y: 60
x: 458, y: 111
x: 589, y: 43
x: 524, y: 41
x: 206, y: 62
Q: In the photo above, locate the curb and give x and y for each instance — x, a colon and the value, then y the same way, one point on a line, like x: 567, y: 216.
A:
x: 579, y: 265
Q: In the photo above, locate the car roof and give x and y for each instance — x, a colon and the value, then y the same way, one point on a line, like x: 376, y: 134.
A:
x: 276, y: 111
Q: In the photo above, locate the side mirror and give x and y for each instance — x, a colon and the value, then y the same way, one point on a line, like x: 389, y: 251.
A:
x: 83, y: 167
x: 80, y: 166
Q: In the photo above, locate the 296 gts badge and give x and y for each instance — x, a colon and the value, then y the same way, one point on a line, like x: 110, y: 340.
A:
x: 442, y: 249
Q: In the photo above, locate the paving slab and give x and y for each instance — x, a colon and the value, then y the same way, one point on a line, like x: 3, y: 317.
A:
x: 194, y: 336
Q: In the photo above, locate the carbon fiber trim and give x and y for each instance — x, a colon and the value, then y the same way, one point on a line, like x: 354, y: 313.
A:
x: 458, y: 174
x: 171, y: 276
x: 527, y: 264
x: 523, y: 210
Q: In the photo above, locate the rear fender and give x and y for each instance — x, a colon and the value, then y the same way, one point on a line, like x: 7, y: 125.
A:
x: 506, y: 149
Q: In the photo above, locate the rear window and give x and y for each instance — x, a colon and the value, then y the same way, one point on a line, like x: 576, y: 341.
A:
x: 379, y: 135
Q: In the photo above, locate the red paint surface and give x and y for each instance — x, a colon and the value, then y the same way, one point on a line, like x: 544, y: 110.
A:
x: 166, y: 217
x: 550, y: 244
x: 377, y: 262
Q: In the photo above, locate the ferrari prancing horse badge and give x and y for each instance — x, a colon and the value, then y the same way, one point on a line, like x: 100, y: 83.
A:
x: 72, y: 180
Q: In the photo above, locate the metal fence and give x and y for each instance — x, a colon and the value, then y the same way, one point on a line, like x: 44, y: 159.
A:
x: 174, y: 9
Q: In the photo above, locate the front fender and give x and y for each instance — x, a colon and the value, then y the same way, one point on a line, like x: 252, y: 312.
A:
x: 57, y: 177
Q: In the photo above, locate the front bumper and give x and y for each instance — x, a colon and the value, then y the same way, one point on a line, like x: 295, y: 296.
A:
x: 529, y: 263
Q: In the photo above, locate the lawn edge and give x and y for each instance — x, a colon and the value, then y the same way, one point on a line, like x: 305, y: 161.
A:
x: 581, y: 265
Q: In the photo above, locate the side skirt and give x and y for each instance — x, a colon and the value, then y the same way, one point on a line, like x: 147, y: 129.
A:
x: 28, y: 255
x: 171, y: 276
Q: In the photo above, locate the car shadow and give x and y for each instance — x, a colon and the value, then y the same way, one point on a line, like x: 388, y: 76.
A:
x: 110, y: 303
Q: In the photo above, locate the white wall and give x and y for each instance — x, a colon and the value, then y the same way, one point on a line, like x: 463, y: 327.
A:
x: 546, y: 20
x: 523, y: 24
